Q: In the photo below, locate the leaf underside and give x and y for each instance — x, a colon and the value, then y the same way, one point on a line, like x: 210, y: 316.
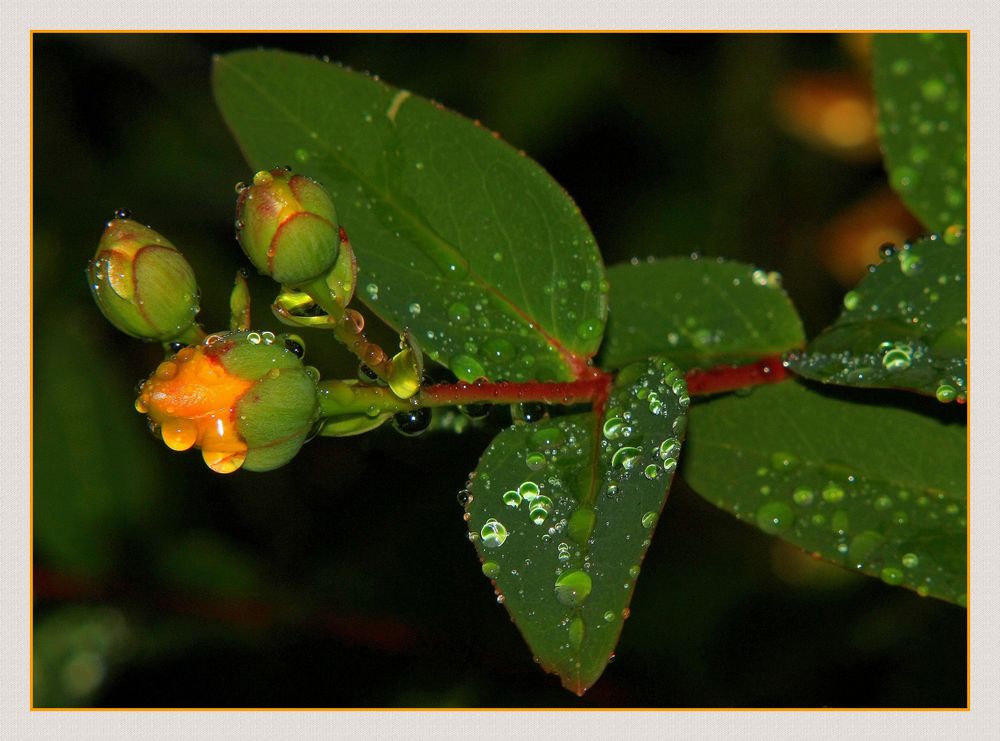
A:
x: 563, y: 510
x: 460, y: 238
x: 876, y: 489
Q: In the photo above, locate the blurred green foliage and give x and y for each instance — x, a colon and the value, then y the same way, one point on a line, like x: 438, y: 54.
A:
x: 159, y: 583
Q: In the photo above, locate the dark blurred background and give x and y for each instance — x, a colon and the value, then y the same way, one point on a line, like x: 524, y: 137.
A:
x: 345, y: 579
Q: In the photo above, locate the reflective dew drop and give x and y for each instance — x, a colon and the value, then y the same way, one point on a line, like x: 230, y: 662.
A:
x: 897, y: 357
x: 651, y: 471
x: 851, y: 300
x: 775, y: 517
x: 832, y: 493
x: 466, y: 368
x: 573, y: 588
x: 179, y: 433
x: 588, y: 329
x: 910, y: 560
x: 512, y: 499
x: 625, y: 457
x: 945, y: 393
x: 528, y: 490
x: 493, y: 534
x: 540, y: 508
x: 649, y: 519
x: 803, y: 496
x: 891, y: 575
x: 491, y: 569
x: 535, y: 461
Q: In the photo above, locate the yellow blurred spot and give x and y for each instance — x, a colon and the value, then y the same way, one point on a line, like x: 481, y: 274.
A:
x: 833, y: 112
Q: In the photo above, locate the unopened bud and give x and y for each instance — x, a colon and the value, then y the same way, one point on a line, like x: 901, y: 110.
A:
x: 142, y: 283
x: 287, y: 226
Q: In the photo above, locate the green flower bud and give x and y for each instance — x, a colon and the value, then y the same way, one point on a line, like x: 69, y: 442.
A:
x: 287, y: 226
x: 141, y: 283
x: 244, y: 398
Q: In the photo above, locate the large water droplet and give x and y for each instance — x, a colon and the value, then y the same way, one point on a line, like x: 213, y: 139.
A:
x: 775, y: 517
x: 493, y: 534
x: 491, y: 569
x: 573, y: 588
x: 466, y: 368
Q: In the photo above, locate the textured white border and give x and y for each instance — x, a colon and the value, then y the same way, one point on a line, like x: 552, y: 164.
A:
x: 19, y: 16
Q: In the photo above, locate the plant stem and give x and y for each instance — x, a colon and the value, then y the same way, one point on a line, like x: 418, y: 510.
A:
x: 342, y: 398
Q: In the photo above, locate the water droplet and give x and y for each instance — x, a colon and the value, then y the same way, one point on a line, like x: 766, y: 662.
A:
x: 609, y: 617
x: 540, y: 508
x: 412, y: 422
x: 953, y: 234
x: 832, y: 493
x: 414, y: 309
x: 901, y: 67
x: 576, y: 632
x: 547, y: 438
x: 179, y: 433
x: 909, y: 263
x: 625, y: 457
x: 528, y: 412
x: 581, y: 524
x: 301, y: 155
x: 528, y: 490
x: 573, y: 588
x: 933, y: 90
x: 863, y: 545
x: 493, y: 534
x: 775, y: 517
x: 651, y: 472
x: 649, y: 519
x: 612, y: 427
x: 903, y: 178
x: 670, y: 448
x: 512, y: 499
x: 839, y: 522
x: 589, y: 329
x: 898, y: 357
x: 910, y: 560
x: 372, y: 290
x: 945, y: 393
x: 459, y: 312
x: 535, y: 461
x: 803, y: 496
x: 466, y: 368
x: 783, y: 461
x: 500, y: 349
x: 491, y: 569
x: 851, y: 300
x: 892, y: 575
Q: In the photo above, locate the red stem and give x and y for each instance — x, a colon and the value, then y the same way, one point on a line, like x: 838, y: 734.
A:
x: 595, y: 387
x: 731, y: 377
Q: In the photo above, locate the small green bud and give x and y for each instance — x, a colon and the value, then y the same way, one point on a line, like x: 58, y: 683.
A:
x: 287, y: 226
x: 142, y: 283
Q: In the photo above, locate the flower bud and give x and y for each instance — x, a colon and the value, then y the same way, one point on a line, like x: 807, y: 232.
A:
x: 141, y: 283
x: 287, y: 226
x: 244, y: 398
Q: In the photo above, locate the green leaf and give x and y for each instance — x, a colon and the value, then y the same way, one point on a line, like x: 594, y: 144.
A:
x: 459, y: 237
x: 562, y: 512
x: 699, y: 312
x: 920, y: 84
x: 874, y: 488
x: 903, y: 326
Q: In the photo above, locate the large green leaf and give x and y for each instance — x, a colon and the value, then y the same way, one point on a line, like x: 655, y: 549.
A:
x: 870, y: 487
x: 920, y: 82
x: 903, y: 326
x: 459, y: 236
x: 563, y: 510
x: 699, y: 312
